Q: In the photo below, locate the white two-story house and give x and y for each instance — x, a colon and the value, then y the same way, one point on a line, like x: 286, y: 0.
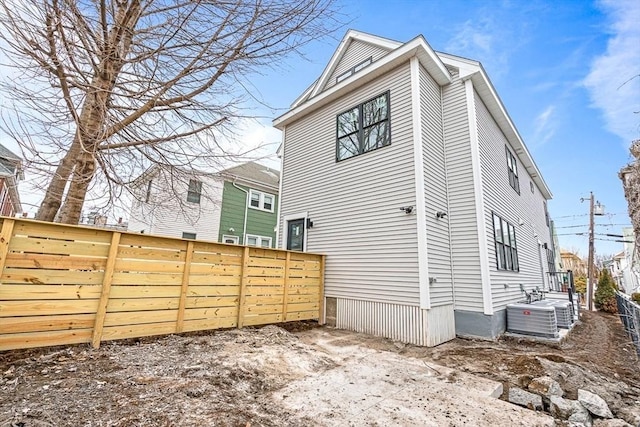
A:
x: 402, y: 165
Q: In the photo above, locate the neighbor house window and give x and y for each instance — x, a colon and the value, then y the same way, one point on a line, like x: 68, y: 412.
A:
x: 351, y: 71
x: 148, y: 195
x: 512, y: 165
x: 262, y: 201
x: 504, y: 235
x: 195, y: 190
x: 186, y: 235
x: 264, y: 242
x: 230, y: 239
x: 363, y: 128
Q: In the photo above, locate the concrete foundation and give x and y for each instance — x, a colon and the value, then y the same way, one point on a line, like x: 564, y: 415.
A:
x: 471, y: 324
x: 331, y: 308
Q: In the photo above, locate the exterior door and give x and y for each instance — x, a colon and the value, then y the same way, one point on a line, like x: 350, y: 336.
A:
x: 295, y: 235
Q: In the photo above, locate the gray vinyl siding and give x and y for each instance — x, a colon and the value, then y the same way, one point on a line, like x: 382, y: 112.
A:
x: 439, y: 255
x: 371, y: 245
x: 357, y: 52
x: 526, y: 208
x: 462, y: 210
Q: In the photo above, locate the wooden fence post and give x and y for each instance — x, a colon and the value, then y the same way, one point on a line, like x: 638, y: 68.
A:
x: 106, y: 289
x: 321, y: 314
x: 243, y: 286
x: 286, y: 287
x: 185, y: 285
x: 5, y: 239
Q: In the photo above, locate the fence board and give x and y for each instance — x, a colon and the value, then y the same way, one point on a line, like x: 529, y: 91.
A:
x: 52, y: 277
x: 10, y: 325
x: 44, y: 339
x: 62, y: 284
x: 55, y: 262
x: 38, y: 292
x: 57, y: 247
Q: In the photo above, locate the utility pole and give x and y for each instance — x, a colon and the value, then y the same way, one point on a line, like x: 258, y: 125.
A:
x: 590, y: 258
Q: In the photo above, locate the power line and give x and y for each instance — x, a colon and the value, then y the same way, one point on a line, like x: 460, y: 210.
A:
x: 597, y: 225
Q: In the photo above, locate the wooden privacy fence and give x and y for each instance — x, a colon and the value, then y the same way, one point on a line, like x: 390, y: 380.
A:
x: 64, y: 284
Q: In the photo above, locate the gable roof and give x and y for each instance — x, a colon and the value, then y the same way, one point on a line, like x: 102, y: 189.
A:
x: 316, y: 98
x: 254, y: 173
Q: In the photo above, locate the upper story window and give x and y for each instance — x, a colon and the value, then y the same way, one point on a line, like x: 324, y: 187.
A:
x: 195, y: 191
x: 363, y: 128
x: 512, y: 165
x: 504, y: 235
x: 351, y: 71
x: 262, y: 201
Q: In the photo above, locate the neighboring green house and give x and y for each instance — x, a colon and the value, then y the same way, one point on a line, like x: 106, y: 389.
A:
x: 237, y: 205
x: 249, y: 211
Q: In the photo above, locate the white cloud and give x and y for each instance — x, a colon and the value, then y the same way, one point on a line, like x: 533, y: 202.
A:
x: 545, y: 126
x: 610, y: 82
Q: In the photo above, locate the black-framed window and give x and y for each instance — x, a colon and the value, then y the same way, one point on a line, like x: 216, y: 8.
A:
x: 512, y: 167
x: 351, y: 71
x: 187, y: 235
x: 195, y: 191
x: 363, y: 128
x: 504, y: 234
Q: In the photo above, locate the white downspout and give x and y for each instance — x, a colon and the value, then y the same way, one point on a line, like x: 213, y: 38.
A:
x: 246, y: 208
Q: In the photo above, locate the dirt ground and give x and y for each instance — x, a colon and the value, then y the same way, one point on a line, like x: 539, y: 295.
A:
x: 306, y: 375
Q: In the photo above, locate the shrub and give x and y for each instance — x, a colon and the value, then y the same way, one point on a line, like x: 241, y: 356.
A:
x: 635, y: 297
x: 605, y: 298
x: 581, y: 285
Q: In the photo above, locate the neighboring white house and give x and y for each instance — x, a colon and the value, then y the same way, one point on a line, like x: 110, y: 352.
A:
x: 403, y: 167
x: 213, y: 207
x: 629, y: 280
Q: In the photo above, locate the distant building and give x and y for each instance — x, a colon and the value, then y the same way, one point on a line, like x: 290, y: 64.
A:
x: 10, y: 174
x: 573, y: 262
x: 237, y: 205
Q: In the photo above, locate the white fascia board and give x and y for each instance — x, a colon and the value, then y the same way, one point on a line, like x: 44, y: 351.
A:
x: 342, y: 48
x: 418, y: 167
x: 416, y: 47
x: 476, y: 169
x: 474, y: 70
x: 305, y: 95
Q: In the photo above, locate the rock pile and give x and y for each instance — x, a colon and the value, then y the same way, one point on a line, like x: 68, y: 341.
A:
x: 544, y: 393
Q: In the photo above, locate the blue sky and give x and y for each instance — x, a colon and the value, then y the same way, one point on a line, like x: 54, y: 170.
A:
x: 561, y: 68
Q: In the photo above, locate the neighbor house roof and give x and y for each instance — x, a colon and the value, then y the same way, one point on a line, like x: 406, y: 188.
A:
x: 254, y: 173
x: 316, y: 97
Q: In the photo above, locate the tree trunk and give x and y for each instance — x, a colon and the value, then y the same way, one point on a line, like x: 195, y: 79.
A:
x: 53, y: 197
x: 82, y: 176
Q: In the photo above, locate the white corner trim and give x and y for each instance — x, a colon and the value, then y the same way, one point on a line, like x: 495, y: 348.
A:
x: 418, y: 167
x: 483, y: 249
x: 279, y: 223
x: 285, y: 228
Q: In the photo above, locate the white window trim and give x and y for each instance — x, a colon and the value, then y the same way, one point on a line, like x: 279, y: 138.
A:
x: 285, y: 229
x: 261, y: 200
x: 236, y: 239
x: 259, y: 240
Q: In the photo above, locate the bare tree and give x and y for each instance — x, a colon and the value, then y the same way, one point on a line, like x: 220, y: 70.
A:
x: 630, y: 176
x: 107, y: 88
